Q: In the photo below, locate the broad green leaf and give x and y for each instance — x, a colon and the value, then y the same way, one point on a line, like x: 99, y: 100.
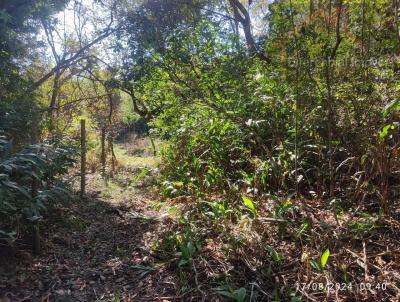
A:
x: 250, y: 205
x: 3, y: 176
x: 16, y: 187
x: 9, y: 205
x: 324, y: 258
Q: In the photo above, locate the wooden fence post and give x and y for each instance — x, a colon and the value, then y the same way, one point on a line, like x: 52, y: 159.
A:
x: 83, y: 158
x: 153, y: 146
x: 113, y: 157
x: 103, y: 151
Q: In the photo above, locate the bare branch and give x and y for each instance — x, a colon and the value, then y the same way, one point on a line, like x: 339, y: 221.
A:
x: 73, y: 59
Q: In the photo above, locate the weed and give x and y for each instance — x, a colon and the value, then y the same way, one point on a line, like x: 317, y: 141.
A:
x: 319, y: 266
x: 186, y: 252
x: 362, y: 227
x: 250, y: 206
x: 218, y: 209
x: 73, y: 222
x: 275, y: 256
x: 237, y: 295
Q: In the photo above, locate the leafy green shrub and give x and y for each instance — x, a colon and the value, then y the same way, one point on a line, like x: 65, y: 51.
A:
x: 28, y: 180
x: 206, y: 159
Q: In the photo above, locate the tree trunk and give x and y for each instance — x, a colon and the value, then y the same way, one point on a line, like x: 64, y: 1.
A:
x: 53, y: 101
x: 311, y: 10
x: 396, y: 23
x: 242, y: 16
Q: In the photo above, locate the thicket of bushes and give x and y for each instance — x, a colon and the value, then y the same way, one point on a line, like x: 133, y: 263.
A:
x: 29, y: 181
x: 317, y: 117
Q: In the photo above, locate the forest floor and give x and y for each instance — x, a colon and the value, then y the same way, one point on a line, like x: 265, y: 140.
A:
x: 120, y: 243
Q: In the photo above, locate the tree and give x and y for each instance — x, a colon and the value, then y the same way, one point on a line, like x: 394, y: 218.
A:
x: 18, y: 59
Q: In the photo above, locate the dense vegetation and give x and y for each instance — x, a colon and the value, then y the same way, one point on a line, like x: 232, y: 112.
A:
x: 279, y: 122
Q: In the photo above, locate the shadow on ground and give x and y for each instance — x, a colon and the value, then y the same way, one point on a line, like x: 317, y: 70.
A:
x: 92, y: 251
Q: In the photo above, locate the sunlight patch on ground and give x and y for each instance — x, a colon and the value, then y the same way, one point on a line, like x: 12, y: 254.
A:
x: 130, y: 161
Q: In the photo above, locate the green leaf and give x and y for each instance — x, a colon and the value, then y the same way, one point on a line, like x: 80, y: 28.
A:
x: 315, y: 265
x: 8, y: 205
x: 227, y: 294
x: 240, y: 294
x: 364, y: 159
x: 295, y: 299
x: 250, y: 205
x: 16, y: 187
x: 324, y: 258
x: 178, y: 184
x: 182, y: 262
x: 385, y: 131
x: 35, y: 218
x: 275, y: 255
x: 391, y: 106
x: 8, y: 235
x: 141, y: 175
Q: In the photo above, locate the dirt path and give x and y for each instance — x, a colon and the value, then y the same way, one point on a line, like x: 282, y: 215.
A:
x: 96, y: 249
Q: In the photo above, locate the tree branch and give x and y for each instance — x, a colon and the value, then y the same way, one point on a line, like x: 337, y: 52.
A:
x: 71, y: 60
x: 338, y: 36
x: 243, y: 17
